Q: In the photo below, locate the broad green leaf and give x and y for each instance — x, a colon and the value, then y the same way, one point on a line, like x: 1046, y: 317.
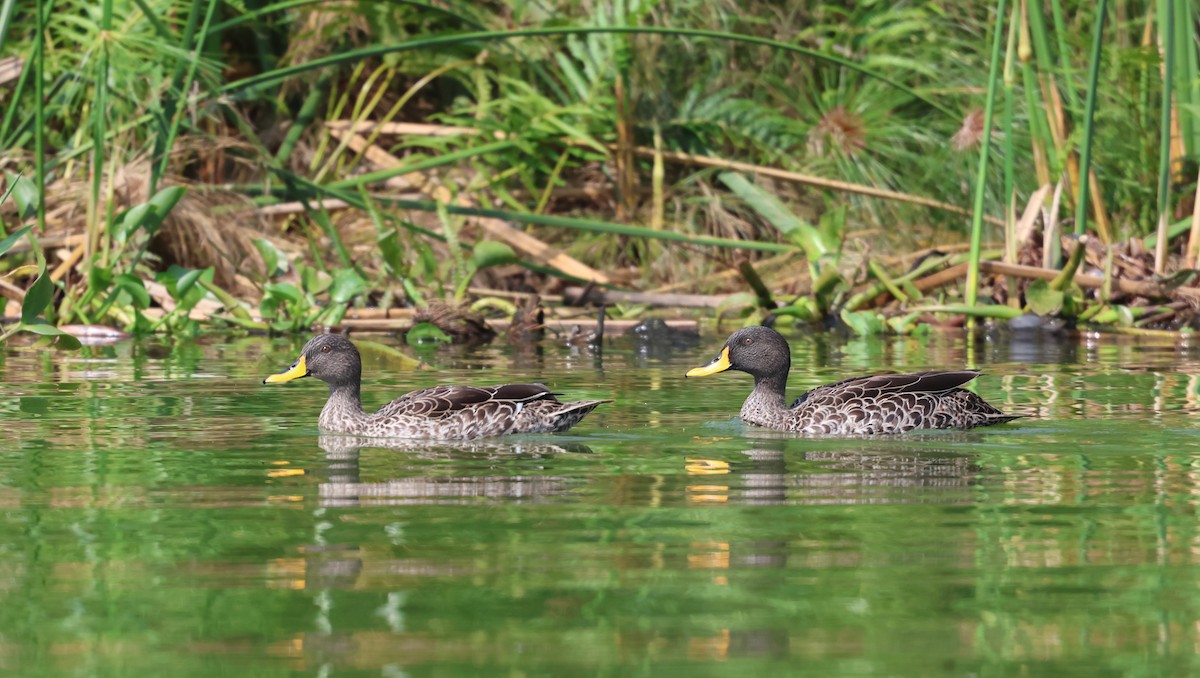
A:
x: 314, y: 281
x: 65, y: 339
x: 864, y: 323
x: 285, y: 291
x: 346, y: 285
x: 162, y: 203
x: 129, y: 222
x: 99, y: 278
x: 425, y: 333
x: 181, y: 284
x: 274, y: 260
x: 268, y: 308
x: 389, y: 247
x: 282, y: 326
x: 492, y: 253
x: 7, y: 243
x: 24, y: 194
x: 1043, y: 300
x: 184, y: 283
x: 37, y: 298
x: 135, y: 288
x: 141, y: 324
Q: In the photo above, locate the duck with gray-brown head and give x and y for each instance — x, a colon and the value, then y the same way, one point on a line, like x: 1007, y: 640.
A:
x: 440, y: 412
x: 885, y: 403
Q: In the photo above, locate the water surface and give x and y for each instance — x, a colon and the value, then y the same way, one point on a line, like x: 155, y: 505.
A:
x: 162, y: 512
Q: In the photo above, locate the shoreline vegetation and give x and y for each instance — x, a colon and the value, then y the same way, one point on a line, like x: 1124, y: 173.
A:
x: 455, y: 170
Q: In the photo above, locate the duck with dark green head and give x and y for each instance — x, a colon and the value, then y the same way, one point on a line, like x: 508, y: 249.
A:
x: 885, y: 403
x: 440, y: 412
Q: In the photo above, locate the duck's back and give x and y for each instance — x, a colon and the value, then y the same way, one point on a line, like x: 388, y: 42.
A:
x: 464, y: 412
x: 893, y: 403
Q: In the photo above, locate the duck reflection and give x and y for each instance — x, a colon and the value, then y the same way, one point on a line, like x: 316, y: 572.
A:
x: 771, y: 475
x: 344, y: 486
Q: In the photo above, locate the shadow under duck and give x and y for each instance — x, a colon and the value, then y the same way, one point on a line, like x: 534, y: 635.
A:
x: 886, y: 403
x: 440, y: 412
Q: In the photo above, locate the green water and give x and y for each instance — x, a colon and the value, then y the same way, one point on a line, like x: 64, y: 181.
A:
x: 163, y: 513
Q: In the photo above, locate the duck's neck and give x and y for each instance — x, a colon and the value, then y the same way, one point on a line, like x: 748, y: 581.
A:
x: 343, y: 408
x: 766, y: 399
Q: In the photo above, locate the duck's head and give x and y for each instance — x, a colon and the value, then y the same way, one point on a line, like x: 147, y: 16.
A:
x: 760, y: 351
x: 331, y: 358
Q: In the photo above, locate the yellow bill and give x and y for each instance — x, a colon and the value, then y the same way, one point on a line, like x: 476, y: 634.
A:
x: 297, y: 370
x: 719, y: 364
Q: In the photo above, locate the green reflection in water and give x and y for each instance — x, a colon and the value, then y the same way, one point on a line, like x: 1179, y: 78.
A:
x: 162, y: 512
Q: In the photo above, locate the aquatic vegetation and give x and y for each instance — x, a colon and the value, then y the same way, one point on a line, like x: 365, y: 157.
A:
x: 275, y: 169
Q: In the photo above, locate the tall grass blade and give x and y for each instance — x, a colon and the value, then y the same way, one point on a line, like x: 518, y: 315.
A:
x: 1166, y: 32
x: 984, y: 148
x: 1089, y: 119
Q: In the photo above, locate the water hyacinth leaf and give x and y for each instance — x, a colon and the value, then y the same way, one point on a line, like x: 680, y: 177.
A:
x: 1043, y: 300
x: 185, y: 282
x: 864, y: 323
x: 285, y: 291
x: 181, y: 284
x: 268, y: 308
x: 45, y: 329
x: 274, y: 260
x: 314, y: 281
x: 492, y: 253
x: 346, y: 285
x: 24, y: 195
x: 135, y: 288
x: 37, y: 298
x: 7, y: 243
x: 426, y: 333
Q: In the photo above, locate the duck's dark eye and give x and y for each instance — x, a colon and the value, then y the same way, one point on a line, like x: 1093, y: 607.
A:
x: 748, y: 340
x: 324, y: 349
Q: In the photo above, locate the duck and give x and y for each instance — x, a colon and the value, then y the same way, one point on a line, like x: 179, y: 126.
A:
x: 868, y: 405
x: 438, y: 413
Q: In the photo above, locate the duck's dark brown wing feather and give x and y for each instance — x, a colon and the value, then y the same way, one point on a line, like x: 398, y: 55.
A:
x: 442, y: 401
x: 886, y: 384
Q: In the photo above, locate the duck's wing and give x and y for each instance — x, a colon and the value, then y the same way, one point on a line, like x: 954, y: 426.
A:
x: 878, y: 385
x: 439, y: 402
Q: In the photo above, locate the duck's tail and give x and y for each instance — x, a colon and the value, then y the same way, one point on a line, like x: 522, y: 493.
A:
x: 572, y: 413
